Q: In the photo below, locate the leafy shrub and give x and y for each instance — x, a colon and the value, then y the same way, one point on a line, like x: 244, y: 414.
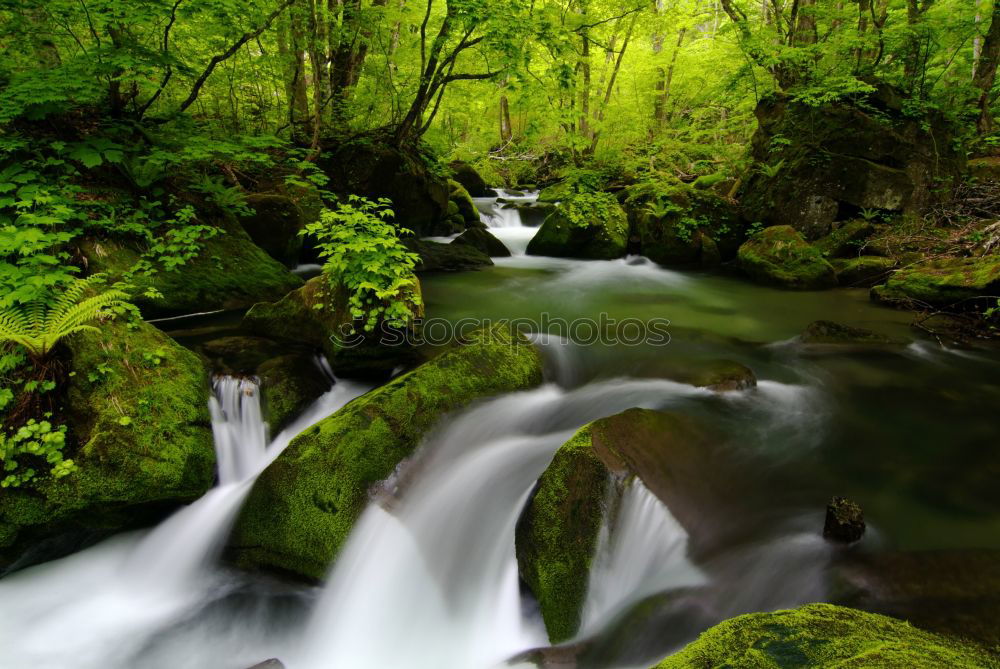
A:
x: 35, y: 440
x: 584, y: 209
x: 363, y: 254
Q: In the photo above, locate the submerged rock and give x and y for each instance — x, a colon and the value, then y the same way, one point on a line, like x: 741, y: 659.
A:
x: 482, y: 240
x: 820, y: 335
x: 558, y: 531
x: 823, y: 636
x: 845, y: 522
x: 303, y: 506
x: 577, y: 230
x: 273, y: 663
x: 958, y: 283
x: 318, y: 315
x: 724, y: 376
x: 229, y: 272
x: 779, y: 256
x: 137, y: 410
x: 438, y: 257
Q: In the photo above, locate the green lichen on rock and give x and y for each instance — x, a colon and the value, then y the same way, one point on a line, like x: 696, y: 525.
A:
x: 289, y: 384
x: 846, y: 239
x: 137, y: 409
x: 229, y: 272
x: 865, y: 271
x: 943, y: 283
x: 557, y: 536
x: 780, y: 256
x: 303, y: 506
x: 824, y: 636
x: 591, y: 226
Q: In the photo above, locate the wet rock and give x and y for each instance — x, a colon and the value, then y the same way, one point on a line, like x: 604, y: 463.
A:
x: 961, y: 284
x: 863, y: 272
x: 780, y: 256
x: 274, y: 226
x: 835, y: 160
x: 137, y: 410
x: 289, y: 384
x: 481, y: 239
x: 302, y: 508
x: 725, y: 376
x: 846, y: 239
x: 845, y: 522
x: 955, y: 593
x: 238, y: 355
x: 464, y: 206
x: 438, y: 257
x: 469, y: 178
x: 578, y: 229
x: 820, y: 335
x: 823, y: 635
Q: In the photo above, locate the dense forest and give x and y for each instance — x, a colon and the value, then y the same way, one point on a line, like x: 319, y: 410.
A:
x: 467, y: 334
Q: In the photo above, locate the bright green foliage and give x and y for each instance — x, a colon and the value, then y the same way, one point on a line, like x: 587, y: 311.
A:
x: 824, y: 637
x: 38, y: 325
x: 597, y: 209
x: 364, y: 254
x: 34, y: 440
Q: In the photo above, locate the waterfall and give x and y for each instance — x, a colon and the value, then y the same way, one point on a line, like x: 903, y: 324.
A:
x: 505, y: 221
x: 97, y: 608
x: 642, y: 550
x: 431, y: 582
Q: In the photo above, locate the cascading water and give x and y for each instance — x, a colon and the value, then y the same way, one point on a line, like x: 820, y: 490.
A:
x: 97, y: 608
x: 504, y: 218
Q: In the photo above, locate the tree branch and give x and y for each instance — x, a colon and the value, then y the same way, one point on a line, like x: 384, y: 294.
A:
x: 170, y: 70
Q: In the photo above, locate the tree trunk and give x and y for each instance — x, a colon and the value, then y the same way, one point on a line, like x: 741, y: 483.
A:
x: 987, y: 71
x: 506, y: 132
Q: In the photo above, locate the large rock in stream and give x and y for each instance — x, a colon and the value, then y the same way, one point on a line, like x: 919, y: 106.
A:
x: 303, y: 506
x: 590, y: 226
x: 137, y: 410
x: 557, y: 535
x: 960, y: 284
x: 823, y: 636
x: 779, y: 256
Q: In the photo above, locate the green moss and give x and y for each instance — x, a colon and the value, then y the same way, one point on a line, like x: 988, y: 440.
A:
x: 864, y: 271
x: 846, y: 240
x: 557, y: 535
x: 942, y: 283
x: 289, y: 384
x: 463, y: 203
x: 302, y: 508
x: 824, y: 636
x: 573, y: 231
x: 230, y: 272
x: 161, y: 455
x: 779, y: 256
x: 556, y: 192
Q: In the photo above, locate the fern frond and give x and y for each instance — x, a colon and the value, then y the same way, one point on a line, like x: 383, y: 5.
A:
x: 85, y: 311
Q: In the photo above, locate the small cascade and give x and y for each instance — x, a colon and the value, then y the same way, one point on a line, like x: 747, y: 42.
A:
x: 238, y: 426
x: 642, y: 550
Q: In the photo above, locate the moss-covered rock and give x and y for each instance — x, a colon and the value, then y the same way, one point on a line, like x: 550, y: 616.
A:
x: 304, y: 505
x: 229, y: 272
x: 238, y: 355
x: 289, y: 384
x: 318, y: 315
x: 779, y: 256
x: 557, y: 534
x: 591, y: 226
x: 438, y: 257
x: 846, y: 239
x: 556, y: 192
x: 274, y: 226
x: 824, y: 636
x: 863, y: 272
x: 466, y: 175
x: 724, y: 376
x: 828, y: 334
x: 481, y: 239
x: 464, y: 206
x: 137, y: 410
x: 816, y: 165
x: 680, y: 225
x: 948, y: 282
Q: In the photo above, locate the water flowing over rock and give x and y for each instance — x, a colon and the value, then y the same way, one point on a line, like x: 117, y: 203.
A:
x: 303, y: 507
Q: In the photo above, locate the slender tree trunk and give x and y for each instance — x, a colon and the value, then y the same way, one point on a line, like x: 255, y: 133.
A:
x: 666, y: 80
x: 300, y: 94
x: 987, y: 71
x: 506, y: 132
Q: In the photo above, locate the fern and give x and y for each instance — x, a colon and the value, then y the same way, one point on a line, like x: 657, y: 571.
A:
x: 38, y: 325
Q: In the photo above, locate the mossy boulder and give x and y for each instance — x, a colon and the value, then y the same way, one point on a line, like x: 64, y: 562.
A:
x: 824, y: 636
x: 139, y: 430
x: 229, y: 272
x: 317, y: 315
x: 590, y: 226
x: 466, y: 175
x: 464, y: 206
x: 557, y: 534
x: 438, y: 257
x: 864, y: 271
x: 681, y: 225
x: 724, y: 376
x: 958, y: 283
x: 303, y: 506
x: 481, y: 239
x: 816, y: 165
x: 846, y: 239
x: 556, y: 192
x: 289, y: 384
x: 780, y: 256
x: 274, y: 226
x: 237, y: 354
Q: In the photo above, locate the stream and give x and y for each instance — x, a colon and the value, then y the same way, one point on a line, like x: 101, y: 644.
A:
x: 430, y: 581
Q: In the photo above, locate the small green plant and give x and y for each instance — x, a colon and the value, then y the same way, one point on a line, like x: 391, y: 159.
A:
x: 39, y: 324
x: 35, y: 440
x: 870, y: 214
x: 771, y: 171
x: 363, y: 253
